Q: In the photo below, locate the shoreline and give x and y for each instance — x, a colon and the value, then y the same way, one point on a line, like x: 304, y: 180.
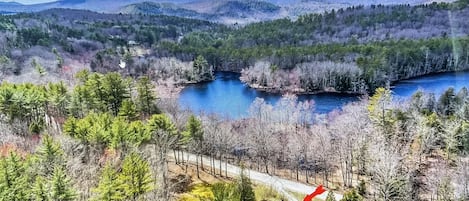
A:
x: 168, y: 90
x: 172, y: 90
x: 301, y: 91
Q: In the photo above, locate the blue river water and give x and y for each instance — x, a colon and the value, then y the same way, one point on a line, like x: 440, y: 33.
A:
x: 227, y: 96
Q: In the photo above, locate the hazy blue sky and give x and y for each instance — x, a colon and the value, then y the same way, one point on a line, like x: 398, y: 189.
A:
x: 28, y: 1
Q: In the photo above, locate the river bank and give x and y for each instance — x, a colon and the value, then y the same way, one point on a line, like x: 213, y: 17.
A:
x: 331, y: 90
x: 299, y: 91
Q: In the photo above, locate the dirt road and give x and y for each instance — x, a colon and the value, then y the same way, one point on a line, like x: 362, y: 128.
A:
x: 283, y: 186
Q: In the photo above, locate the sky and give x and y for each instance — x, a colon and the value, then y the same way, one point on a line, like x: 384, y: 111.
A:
x: 28, y: 1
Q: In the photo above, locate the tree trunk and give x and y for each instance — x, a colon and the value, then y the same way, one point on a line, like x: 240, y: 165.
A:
x: 226, y: 167
x: 351, y: 173
x: 258, y: 165
x: 197, y: 165
x: 201, y: 162
x: 297, y: 172
x: 315, y: 177
x: 187, y: 162
x: 219, y: 163
x: 164, y: 176
x: 175, y: 157
x: 212, y: 164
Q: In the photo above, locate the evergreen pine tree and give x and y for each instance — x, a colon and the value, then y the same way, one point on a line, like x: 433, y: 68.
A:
x: 109, y: 187
x: 146, y: 97
x: 128, y: 110
x: 137, y: 133
x: 379, y: 110
x: 135, y: 177
x: 98, y: 92
x: 83, y: 76
x: 330, y: 196
x: 195, y: 134
x: 61, y: 189
x: 447, y: 102
x: 13, y: 178
x: 352, y: 196
x: 163, y: 137
x: 201, y: 69
x: 82, y: 101
x: 60, y: 60
x: 160, y: 123
x: 116, y: 90
x: 38, y: 67
x: 40, y: 192
x: 7, y: 105
x: 120, y: 136
x: 49, y: 155
x: 245, y: 191
x: 223, y: 192
x: 58, y: 98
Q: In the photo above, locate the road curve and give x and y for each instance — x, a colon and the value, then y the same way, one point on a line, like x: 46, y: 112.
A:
x: 281, y: 185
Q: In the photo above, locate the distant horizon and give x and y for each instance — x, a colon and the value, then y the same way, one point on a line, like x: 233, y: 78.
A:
x: 28, y: 2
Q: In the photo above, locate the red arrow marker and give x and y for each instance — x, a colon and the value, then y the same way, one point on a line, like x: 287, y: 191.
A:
x: 319, y: 190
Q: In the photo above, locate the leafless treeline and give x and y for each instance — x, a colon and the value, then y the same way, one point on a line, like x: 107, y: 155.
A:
x: 394, y: 149
x: 305, y: 77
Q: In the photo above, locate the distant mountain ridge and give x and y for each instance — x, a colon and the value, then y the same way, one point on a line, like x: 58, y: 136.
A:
x: 10, y: 4
x: 72, y: 1
x: 252, y: 6
x: 162, y: 9
x: 223, y: 11
x: 220, y: 11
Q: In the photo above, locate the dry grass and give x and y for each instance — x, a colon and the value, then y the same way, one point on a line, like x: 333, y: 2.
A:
x: 200, y: 188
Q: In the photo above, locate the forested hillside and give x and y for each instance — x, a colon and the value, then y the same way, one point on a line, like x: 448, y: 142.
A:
x: 104, y: 139
x: 110, y: 138
x: 382, y: 44
x: 348, y: 50
x: 107, y: 133
x: 59, y: 41
x: 228, y: 12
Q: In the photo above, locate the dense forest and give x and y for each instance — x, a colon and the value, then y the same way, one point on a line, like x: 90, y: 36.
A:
x: 103, y: 133
x: 355, y: 50
x: 106, y: 139
x: 383, y: 43
x: 111, y: 138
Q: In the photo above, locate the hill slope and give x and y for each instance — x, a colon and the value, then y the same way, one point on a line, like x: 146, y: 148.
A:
x: 161, y: 9
x: 225, y: 11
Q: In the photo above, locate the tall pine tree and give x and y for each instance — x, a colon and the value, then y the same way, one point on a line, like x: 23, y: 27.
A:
x: 128, y: 110
x: 352, y: 195
x: 244, y: 187
x: 163, y: 137
x: 146, y: 97
x: 49, y: 155
x: 135, y: 177
x: 40, y: 190
x: 13, y: 178
x: 195, y: 135
x: 109, y: 187
x: 117, y: 90
x: 61, y: 189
